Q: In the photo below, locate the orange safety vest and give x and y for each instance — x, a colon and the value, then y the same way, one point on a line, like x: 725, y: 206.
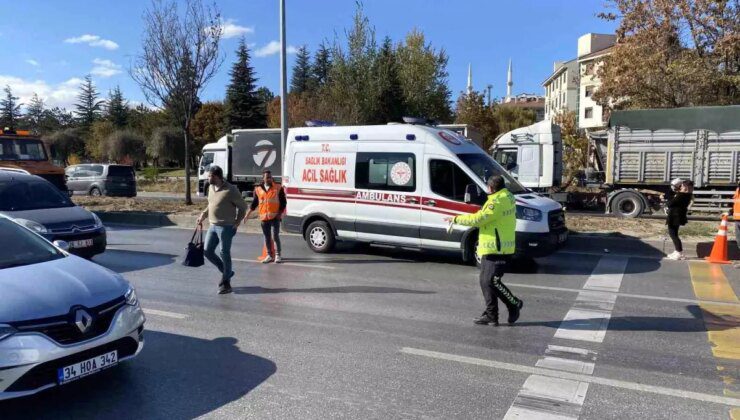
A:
x: 269, y: 204
x: 736, y: 205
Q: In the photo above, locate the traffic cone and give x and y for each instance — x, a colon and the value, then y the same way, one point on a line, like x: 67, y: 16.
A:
x: 719, y: 250
x: 264, y: 252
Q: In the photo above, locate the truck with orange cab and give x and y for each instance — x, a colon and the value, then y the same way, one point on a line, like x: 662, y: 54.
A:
x: 22, y: 150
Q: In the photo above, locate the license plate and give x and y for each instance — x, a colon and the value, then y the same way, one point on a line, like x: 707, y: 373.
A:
x: 88, y: 367
x: 84, y: 243
x: 563, y: 237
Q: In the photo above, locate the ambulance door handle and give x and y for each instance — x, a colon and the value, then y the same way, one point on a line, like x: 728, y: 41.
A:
x: 431, y: 203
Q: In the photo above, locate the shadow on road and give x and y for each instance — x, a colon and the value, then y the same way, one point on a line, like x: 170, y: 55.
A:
x: 648, y: 323
x: 175, y: 377
x: 256, y: 290
x: 122, y: 261
x: 703, y: 249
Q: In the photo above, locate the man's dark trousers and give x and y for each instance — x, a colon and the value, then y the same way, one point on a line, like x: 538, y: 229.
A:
x: 271, y: 230
x: 491, y: 273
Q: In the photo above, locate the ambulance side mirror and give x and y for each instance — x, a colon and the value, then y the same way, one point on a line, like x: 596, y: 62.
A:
x: 473, y: 194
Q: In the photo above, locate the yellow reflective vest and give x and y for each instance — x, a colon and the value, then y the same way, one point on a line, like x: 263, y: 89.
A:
x: 496, y: 223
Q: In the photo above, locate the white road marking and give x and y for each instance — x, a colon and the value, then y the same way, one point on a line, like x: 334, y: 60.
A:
x: 555, y: 397
x: 627, y: 295
x: 615, y: 383
x: 289, y: 264
x: 567, y: 365
x: 584, y: 325
x: 607, y: 275
x: 165, y: 313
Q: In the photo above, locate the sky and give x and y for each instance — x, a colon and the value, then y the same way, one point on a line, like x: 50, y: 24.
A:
x: 48, y: 46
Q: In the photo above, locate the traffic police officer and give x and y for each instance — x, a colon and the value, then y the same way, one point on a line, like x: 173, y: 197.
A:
x: 496, y: 223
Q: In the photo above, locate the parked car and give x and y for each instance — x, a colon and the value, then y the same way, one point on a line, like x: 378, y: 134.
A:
x: 40, y: 206
x: 62, y: 318
x: 102, y: 179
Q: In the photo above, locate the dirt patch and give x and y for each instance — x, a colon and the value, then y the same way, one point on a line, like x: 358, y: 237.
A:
x: 174, y: 186
x: 638, y: 228
x: 138, y: 205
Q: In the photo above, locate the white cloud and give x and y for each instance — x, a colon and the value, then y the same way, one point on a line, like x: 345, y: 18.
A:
x: 32, y: 62
x: 93, y: 41
x: 62, y: 95
x: 231, y: 30
x: 273, y: 47
x: 105, y: 68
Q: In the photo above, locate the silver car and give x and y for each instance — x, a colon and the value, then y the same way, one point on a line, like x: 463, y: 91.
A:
x: 61, y: 317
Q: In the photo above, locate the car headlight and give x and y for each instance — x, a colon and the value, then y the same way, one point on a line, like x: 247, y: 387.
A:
x: 34, y: 226
x: 131, y: 298
x: 526, y: 213
x: 6, y: 331
x: 98, y: 222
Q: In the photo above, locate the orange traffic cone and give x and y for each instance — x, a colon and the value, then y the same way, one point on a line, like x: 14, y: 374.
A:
x: 264, y: 252
x: 719, y: 250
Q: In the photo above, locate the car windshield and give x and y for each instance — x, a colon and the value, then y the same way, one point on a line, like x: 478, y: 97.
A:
x: 484, y: 167
x: 22, y: 149
x: 28, y: 248
x: 20, y: 196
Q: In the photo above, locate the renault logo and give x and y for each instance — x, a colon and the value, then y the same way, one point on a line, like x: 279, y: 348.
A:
x: 83, y: 320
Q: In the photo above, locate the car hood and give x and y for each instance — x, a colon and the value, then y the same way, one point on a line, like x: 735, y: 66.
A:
x: 538, y: 202
x: 56, y: 218
x: 52, y: 288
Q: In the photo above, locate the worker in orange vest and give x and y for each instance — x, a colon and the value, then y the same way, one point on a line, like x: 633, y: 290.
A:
x: 270, y: 201
x: 735, y: 213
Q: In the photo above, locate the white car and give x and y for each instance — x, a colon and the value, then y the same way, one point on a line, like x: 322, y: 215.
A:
x: 62, y: 318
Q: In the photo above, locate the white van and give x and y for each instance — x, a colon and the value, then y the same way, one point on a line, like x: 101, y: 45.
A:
x: 394, y: 184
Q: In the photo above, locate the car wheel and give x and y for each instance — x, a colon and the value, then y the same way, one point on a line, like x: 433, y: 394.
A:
x: 320, y: 237
x: 95, y: 192
x: 627, y: 205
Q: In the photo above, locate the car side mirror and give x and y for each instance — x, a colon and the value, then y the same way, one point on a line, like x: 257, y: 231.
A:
x: 63, y: 245
x: 472, y: 193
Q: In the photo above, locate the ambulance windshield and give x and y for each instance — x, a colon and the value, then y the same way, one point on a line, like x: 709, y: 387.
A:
x: 484, y: 166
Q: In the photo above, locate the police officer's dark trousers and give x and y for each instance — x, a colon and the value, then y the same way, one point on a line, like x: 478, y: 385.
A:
x: 491, y: 273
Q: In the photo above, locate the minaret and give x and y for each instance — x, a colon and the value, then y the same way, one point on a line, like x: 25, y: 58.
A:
x: 509, y: 83
x: 470, y: 78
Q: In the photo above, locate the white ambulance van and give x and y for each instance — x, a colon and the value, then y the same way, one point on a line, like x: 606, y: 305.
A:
x: 394, y: 185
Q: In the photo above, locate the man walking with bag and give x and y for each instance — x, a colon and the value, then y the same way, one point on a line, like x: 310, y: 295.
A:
x: 225, y: 211
x: 270, y: 201
x: 496, y: 222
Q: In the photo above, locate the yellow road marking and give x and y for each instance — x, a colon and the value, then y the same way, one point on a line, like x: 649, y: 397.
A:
x: 721, y: 321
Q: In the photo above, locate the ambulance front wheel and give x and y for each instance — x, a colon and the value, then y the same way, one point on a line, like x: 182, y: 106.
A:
x: 320, y: 237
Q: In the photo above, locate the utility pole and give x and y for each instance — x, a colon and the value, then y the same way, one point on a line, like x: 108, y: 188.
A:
x: 283, y: 83
x: 489, y: 87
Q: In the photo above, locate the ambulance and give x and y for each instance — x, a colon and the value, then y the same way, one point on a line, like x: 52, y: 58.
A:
x: 395, y: 184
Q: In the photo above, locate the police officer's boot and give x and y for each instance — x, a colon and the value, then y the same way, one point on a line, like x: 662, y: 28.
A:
x: 486, y: 319
x: 514, y: 312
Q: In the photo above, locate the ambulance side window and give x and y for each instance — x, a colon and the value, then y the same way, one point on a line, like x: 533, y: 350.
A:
x: 448, y: 180
x: 386, y: 171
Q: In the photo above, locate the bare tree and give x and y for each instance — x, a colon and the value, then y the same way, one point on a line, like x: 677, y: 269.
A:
x: 180, y: 56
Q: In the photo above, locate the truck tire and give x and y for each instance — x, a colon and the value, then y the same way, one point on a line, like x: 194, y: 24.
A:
x: 628, y: 205
x: 319, y: 237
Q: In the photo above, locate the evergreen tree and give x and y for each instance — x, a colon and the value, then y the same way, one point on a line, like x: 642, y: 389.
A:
x: 301, y: 80
x: 117, y: 108
x: 244, y: 108
x: 390, y: 104
x: 88, y: 107
x: 265, y: 96
x: 10, y: 110
x: 321, y: 67
x: 35, y: 113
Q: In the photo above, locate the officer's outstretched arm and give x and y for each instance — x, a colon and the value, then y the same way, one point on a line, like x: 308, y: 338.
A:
x: 477, y: 219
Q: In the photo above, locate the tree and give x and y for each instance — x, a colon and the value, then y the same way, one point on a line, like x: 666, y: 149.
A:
x: 423, y: 75
x: 35, y: 113
x: 116, y: 110
x: 180, y: 56
x: 244, y: 107
x: 125, y: 146
x: 301, y: 80
x: 471, y: 109
x: 144, y: 120
x: 575, y: 146
x: 88, y: 107
x: 390, y: 105
x: 209, y: 124
x: 672, y: 53
x: 265, y: 96
x: 321, y: 68
x: 95, y: 146
x: 63, y: 144
x: 165, y: 145
x: 10, y: 110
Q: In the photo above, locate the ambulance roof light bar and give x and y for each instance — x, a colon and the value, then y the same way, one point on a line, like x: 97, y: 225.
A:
x: 319, y: 123
x: 419, y: 121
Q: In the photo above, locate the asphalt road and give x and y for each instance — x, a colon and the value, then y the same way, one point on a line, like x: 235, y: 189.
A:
x: 377, y: 333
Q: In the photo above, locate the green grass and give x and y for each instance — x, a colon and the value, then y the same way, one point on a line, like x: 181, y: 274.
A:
x: 164, y: 172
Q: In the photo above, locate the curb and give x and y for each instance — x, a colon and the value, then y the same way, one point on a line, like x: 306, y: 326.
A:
x: 158, y: 220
